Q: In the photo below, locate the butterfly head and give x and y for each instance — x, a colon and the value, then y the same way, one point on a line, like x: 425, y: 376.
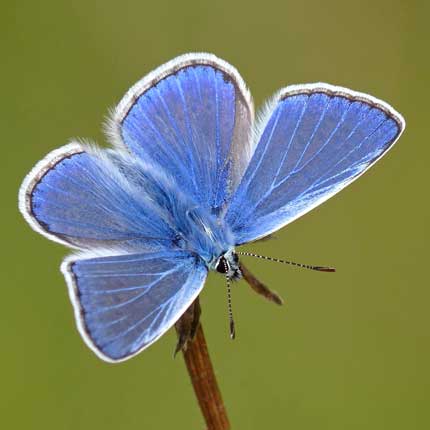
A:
x: 228, y: 264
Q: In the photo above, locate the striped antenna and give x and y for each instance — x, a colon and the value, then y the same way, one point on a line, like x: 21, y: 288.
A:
x: 229, y: 307
x: 291, y: 263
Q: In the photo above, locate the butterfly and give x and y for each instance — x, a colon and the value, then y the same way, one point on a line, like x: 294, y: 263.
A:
x: 190, y: 176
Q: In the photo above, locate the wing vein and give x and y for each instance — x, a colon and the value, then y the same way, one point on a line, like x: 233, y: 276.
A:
x: 347, y: 155
x: 302, y: 113
x: 328, y: 140
x: 139, y: 296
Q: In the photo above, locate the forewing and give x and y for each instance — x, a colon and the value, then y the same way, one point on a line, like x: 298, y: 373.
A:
x: 192, y: 116
x: 124, y: 303
x: 84, y: 199
x: 315, y: 140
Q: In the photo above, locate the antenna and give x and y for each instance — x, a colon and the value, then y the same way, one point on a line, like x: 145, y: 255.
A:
x: 291, y: 263
x: 229, y: 307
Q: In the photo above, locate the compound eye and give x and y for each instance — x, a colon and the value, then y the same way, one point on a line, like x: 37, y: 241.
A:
x: 222, y: 265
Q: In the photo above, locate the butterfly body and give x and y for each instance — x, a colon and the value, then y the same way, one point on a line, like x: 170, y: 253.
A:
x: 190, y: 177
x: 194, y: 229
x: 177, y: 220
x: 204, y: 235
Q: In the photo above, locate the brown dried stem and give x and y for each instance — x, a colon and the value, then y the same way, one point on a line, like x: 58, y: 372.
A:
x: 205, y: 385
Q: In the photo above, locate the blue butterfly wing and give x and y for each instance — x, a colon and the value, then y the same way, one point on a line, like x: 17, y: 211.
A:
x: 315, y: 141
x: 192, y: 117
x: 86, y: 199
x: 124, y: 303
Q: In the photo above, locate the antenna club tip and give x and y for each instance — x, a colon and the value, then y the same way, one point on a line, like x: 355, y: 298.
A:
x: 325, y: 269
x: 232, y: 331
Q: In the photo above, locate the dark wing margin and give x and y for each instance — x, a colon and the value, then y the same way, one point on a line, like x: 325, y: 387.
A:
x: 33, y: 178
x: 124, y: 303
x: 80, y: 197
x: 191, y: 116
x: 313, y: 141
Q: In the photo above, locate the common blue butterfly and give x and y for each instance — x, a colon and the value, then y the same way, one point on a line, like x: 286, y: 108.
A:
x: 190, y: 176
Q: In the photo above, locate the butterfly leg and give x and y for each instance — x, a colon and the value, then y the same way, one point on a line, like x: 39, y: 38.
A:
x: 187, y: 325
x: 259, y: 287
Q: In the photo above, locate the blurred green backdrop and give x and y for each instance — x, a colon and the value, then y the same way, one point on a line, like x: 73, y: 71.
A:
x: 348, y: 351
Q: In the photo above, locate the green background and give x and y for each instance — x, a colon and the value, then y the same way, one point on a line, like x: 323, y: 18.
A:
x: 349, y: 350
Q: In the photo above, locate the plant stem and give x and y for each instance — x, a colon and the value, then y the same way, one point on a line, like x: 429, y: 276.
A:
x: 205, y: 385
